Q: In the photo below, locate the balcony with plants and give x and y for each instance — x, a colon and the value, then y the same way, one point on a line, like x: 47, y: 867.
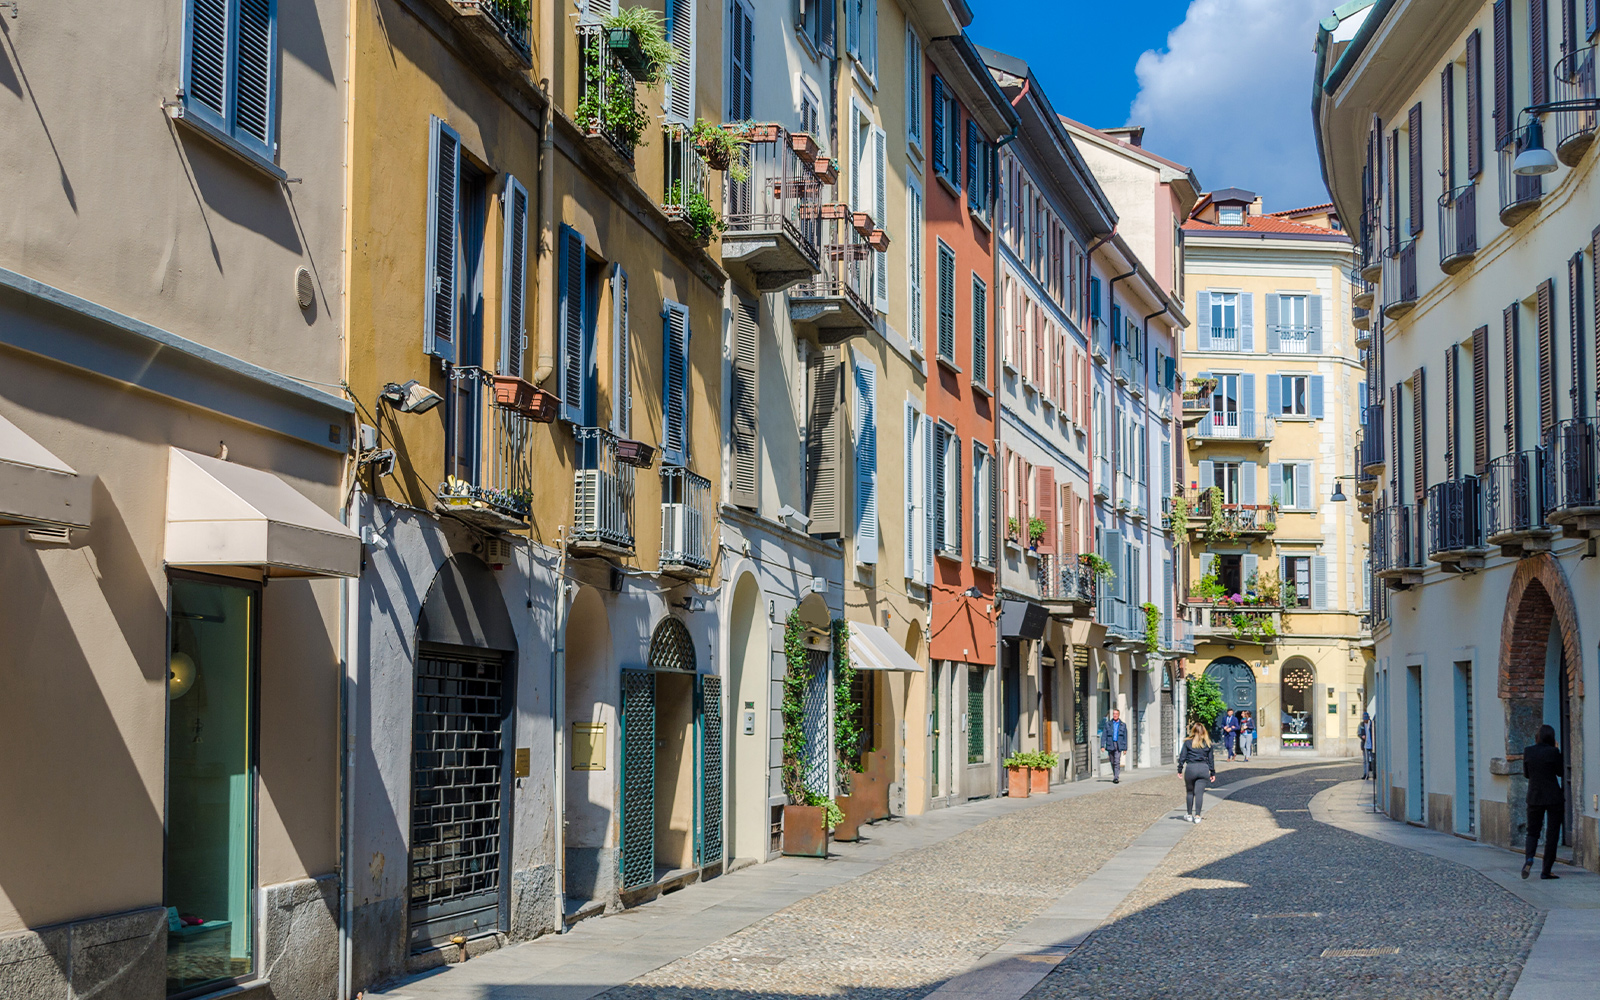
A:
x: 1211, y: 519
x: 1197, y: 400
x: 688, y: 523
x: 502, y: 27
x: 837, y: 302
x: 1458, y: 228
x: 494, y: 489
x: 772, y: 203
x: 685, y: 185
x: 617, y: 55
x: 1068, y: 580
x: 1399, y: 282
x: 1572, y: 476
x: 1455, y: 525
x: 1252, y: 615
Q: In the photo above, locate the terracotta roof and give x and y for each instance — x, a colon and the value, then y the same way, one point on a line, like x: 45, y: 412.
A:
x: 1326, y: 206
x: 1264, y: 224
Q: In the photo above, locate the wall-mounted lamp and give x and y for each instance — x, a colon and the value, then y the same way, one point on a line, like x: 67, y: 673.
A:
x: 181, y: 673
x: 413, y: 397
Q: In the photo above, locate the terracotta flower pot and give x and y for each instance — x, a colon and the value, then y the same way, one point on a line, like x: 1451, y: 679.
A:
x: 863, y: 223
x: 1039, y: 780
x: 805, y: 146
x: 1017, y: 782
x: 826, y: 170
x: 716, y: 157
x: 857, y: 810
x: 524, y: 397
x: 805, y: 831
x: 761, y: 133
x: 635, y: 453
x: 878, y: 240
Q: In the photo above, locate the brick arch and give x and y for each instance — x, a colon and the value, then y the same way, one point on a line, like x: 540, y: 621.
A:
x: 1539, y: 594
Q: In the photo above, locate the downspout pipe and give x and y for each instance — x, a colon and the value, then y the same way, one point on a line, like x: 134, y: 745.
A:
x: 547, y: 202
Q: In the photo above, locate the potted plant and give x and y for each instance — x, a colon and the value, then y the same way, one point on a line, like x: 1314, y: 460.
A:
x: 619, y: 114
x: 760, y: 132
x: 720, y: 146
x: 697, y: 213
x: 1040, y: 767
x: 1152, y: 627
x: 525, y: 397
x: 1013, y: 530
x: 826, y: 170
x: 806, y: 825
x: 635, y: 453
x: 1097, y: 564
x: 805, y: 146
x: 1036, y: 530
x: 638, y: 39
x: 1017, y: 780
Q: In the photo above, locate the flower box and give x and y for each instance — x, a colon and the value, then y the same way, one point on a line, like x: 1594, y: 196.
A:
x: 1039, y: 780
x: 862, y: 221
x: 826, y: 169
x: 1017, y: 782
x: 524, y: 397
x: 805, y: 146
x: 635, y: 453
x: 878, y: 240
x: 761, y: 133
x: 805, y: 831
x: 626, y: 47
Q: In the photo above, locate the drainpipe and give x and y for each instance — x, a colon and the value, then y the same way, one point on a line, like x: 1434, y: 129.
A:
x: 1150, y: 574
x: 547, y: 201
x: 558, y: 711
x: 349, y: 603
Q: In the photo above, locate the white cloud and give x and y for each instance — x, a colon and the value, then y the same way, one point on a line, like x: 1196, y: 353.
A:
x: 1230, y: 96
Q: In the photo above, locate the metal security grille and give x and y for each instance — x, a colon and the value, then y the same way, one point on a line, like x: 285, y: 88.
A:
x: 710, y: 711
x: 1135, y: 743
x: 975, y: 715
x: 1168, y: 734
x: 1472, y: 762
x: 671, y: 648
x: 814, y: 721
x: 638, y: 778
x: 456, y: 794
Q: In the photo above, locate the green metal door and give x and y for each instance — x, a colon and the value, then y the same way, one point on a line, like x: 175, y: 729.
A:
x: 708, y: 770
x: 638, y: 854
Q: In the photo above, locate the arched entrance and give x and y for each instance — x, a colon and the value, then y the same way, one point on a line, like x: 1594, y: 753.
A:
x: 1540, y: 684
x: 1238, y: 684
x: 589, y: 800
x: 749, y: 671
x: 1297, y: 685
x: 1169, y: 720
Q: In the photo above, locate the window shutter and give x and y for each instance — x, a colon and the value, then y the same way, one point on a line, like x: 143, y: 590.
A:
x: 913, y: 86
x: 1314, y: 324
x: 1202, y: 307
x: 1274, y: 394
x: 909, y: 476
x: 1084, y: 387
x: 1480, y: 400
x: 826, y: 26
x: 1502, y: 73
x: 932, y: 502
x: 741, y: 69
x: 680, y: 75
x: 444, y: 190
x: 1208, y: 563
x: 1275, y: 483
x: 852, y: 26
x: 1594, y: 265
x: 675, y: 385
x: 947, y: 303
x: 953, y: 504
x: 880, y: 212
x: 1069, y: 523
x: 622, y: 338
x: 1475, y: 103
x: 1247, y: 401
x: 1395, y: 425
x: 1547, y: 357
x: 936, y: 120
x: 1038, y: 372
x: 823, y: 447
x: 1302, y: 486
x: 743, y: 423
x: 1247, y: 322
x: 1314, y: 392
x: 1247, y: 482
x: 1393, y: 197
x: 572, y: 312
x: 1419, y: 439
x: 206, y: 61
x: 1447, y: 132
x: 514, y: 281
x: 1591, y: 17
x: 1319, y: 583
x: 980, y: 331
x: 1116, y: 325
x: 1452, y: 385
x: 1509, y: 320
x: 1045, y: 486
x: 1414, y: 162
x: 1250, y: 570
x: 1569, y: 27
x: 1272, y: 323
x: 1539, y: 50
x: 255, y: 74
x: 1208, y: 476
x: 1580, y: 403
x: 866, y: 456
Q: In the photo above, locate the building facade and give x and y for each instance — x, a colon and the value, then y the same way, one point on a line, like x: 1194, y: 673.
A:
x: 1276, y: 576
x: 1479, y: 457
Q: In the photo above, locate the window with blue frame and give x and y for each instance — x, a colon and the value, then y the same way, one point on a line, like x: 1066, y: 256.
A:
x: 230, y: 71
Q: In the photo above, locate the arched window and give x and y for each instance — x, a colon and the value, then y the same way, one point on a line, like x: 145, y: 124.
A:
x: 671, y: 648
x: 1299, y: 683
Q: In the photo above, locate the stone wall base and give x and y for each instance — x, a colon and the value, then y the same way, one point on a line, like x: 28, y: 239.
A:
x: 1495, y: 823
x: 122, y: 956
x: 1441, y: 812
x: 300, y: 939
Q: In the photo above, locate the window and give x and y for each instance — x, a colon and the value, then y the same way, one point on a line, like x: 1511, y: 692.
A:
x: 980, y: 332
x: 1224, y: 321
x: 1224, y: 475
x: 810, y: 115
x: 947, y: 498
x: 947, y: 304
x: 914, y: 84
x: 984, y: 518
x: 1292, y: 395
x: 741, y: 57
x: 866, y: 459
x: 861, y: 33
x: 1225, y: 406
x: 916, y: 266
x: 1296, y: 581
x: 575, y: 330
x: 946, y: 123
x: 1290, y: 484
x: 1292, y: 324
x: 230, y: 72
x: 1230, y: 215
x: 815, y: 25
x: 977, y: 680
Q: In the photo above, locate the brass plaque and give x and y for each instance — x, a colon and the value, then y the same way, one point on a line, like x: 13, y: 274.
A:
x: 588, y: 746
x: 523, y: 763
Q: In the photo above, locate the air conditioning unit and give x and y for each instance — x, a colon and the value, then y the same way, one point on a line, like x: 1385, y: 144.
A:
x: 586, y: 487
x: 497, y: 552
x: 674, y: 530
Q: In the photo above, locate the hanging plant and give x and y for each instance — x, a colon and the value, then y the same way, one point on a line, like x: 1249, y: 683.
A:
x: 847, y: 731
x: 647, y: 52
x: 1178, y: 521
x: 794, y: 693
x: 1097, y: 565
x: 723, y: 147
x: 1152, y: 627
x: 1217, y: 528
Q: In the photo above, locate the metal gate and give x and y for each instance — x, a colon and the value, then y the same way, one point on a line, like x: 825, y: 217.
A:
x: 1135, y: 719
x: 638, y: 854
x: 457, y: 787
x: 1081, y: 752
x: 708, y: 764
x: 1168, y: 723
x: 814, y: 720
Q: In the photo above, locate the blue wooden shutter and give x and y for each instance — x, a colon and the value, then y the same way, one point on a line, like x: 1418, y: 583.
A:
x: 1319, y: 583
x: 255, y: 72
x: 1247, y: 404
x: 1207, y: 474
x: 741, y: 69
x: 570, y: 318
x: 1273, y: 316
x: 622, y: 350
x: 931, y: 495
x: 1247, y: 321
x: 936, y: 111
x: 1275, y: 482
x: 1302, y: 486
x: 880, y: 213
x: 206, y: 66
x: 974, y: 164
x: 514, y: 281
x: 1116, y: 324
x: 444, y: 193
x: 1314, y: 324
x: 1249, y: 566
x: 680, y: 75
x: 866, y: 478
x: 1203, y: 319
x: 852, y: 26
x: 1274, y: 394
x: 744, y: 404
x: 675, y: 385
x: 1314, y: 396
x: 1247, y: 482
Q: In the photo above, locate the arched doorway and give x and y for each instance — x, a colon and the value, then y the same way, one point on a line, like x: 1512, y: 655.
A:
x: 1238, y: 684
x: 749, y: 749
x: 589, y: 800
x: 1297, y: 688
x: 1103, y: 706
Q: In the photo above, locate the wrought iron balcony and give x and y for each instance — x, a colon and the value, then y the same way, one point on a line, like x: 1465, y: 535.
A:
x: 608, y: 108
x: 837, y: 301
x: 498, y: 490
x: 1574, y: 130
x: 1399, y: 281
x: 1520, y: 194
x: 1284, y: 338
x: 1397, y: 545
x: 1369, y: 260
x: 1361, y: 290
x: 1235, y: 426
x: 687, y: 522
x: 602, y: 494
x: 1373, y: 462
x: 1234, y: 519
x: 1063, y: 580
x: 774, y: 216
x: 1455, y: 525
x: 503, y: 29
x: 1572, y: 476
x: 1458, y: 228
x: 1197, y: 400
x: 685, y: 186
x: 1177, y: 636
x: 1260, y: 625
x: 1514, y: 503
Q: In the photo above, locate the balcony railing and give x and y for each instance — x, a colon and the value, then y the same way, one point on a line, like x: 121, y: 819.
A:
x: 1520, y: 194
x: 838, y: 299
x: 1101, y: 346
x: 1226, y: 622
x: 687, y: 520
x: 1236, y: 518
x: 1574, y: 130
x: 1372, y: 438
x: 1514, y: 502
x: 774, y: 216
x: 1368, y: 256
x: 1238, y: 426
x: 608, y: 104
x: 503, y: 493
x: 1397, y: 545
x: 1572, y: 475
x: 1361, y: 290
x: 1294, y: 339
x: 1062, y: 578
x: 1224, y: 338
x: 684, y: 186
x: 510, y: 24
x: 1399, y: 279
x: 1130, y: 370
x: 1458, y: 228
x: 1455, y: 524
x: 1177, y: 635
x: 602, y: 494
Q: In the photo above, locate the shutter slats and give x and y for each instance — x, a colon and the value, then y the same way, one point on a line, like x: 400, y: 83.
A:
x: 980, y: 331
x: 744, y: 400
x: 937, y: 140
x: 622, y: 388
x: 880, y: 212
x: 930, y: 495
x: 1069, y: 522
x: 1547, y: 357
x: 1594, y: 288
x: 680, y: 74
x: 1580, y: 402
x: 1414, y: 163
x: 947, y: 303
x: 1451, y: 387
x: 1045, y: 486
x: 1480, y: 400
x: 1447, y: 132
x: 1419, y: 439
x: 1539, y: 50
x: 866, y: 461
x: 253, y: 67
x: 514, y: 284
x: 675, y: 387
x: 571, y: 317
x: 1509, y: 328
x: 822, y: 443
x: 913, y: 507
x: 444, y: 171
x: 1395, y: 424
x: 1502, y: 73
x: 208, y: 55
x: 1475, y: 103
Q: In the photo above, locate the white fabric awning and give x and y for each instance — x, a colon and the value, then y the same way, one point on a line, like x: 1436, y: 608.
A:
x: 222, y: 514
x: 36, y: 487
x: 872, y: 648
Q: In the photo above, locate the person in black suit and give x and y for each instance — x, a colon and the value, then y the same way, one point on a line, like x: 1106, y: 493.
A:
x: 1547, y: 804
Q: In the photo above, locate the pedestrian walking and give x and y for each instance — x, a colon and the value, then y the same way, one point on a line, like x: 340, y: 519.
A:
x: 1547, y: 803
x: 1230, y: 733
x: 1198, y: 766
x: 1247, y: 735
x: 1369, y: 757
x: 1114, y: 741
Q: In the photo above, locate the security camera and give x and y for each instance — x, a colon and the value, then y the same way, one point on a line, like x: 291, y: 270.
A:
x: 413, y: 397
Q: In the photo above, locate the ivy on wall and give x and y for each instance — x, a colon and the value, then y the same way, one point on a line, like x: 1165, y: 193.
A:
x: 846, y: 724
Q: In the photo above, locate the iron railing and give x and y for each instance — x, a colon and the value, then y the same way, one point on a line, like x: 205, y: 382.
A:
x: 1513, y: 498
x: 1519, y: 193
x: 687, y: 519
x: 608, y: 104
x: 1455, y: 517
x: 685, y: 183
x: 1237, y: 623
x: 602, y: 495
x: 1458, y: 227
x: 1246, y: 425
x: 1368, y: 253
x: 847, y: 264
x: 1236, y: 518
x: 1574, y: 80
x: 1101, y: 346
x: 1396, y: 544
x: 781, y: 194
x: 1361, y: 290
x: 1572, y: 466
x: 504, y: 478
x: 1399, y: 281
x: 1177, y: 635
x: 506, y: 19
x: 1296, y: 339
x: 1130, y: 369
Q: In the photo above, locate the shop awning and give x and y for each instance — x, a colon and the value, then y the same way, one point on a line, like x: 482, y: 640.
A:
x: 872, y: 648
x: 36, y: 487
x: 222, y: 514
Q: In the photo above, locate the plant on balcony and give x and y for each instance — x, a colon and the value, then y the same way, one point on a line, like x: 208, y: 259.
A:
x: 846, y: 726
x: 1178, y: 520
x: 1152, y: 627
x: 1218, y: 528
x: 1036, y: 529
x: 1204, y: 696
x: 619, y: 113
x: 1207, y: 591
x: 638, y: 37
x: 1253, y: 627
x: 698, y: 212
x: 722, y: 147
x: 1097, y: 564
x: 1013, y: 530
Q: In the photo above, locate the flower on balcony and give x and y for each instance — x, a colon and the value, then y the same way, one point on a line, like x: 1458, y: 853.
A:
x: 722, y: 147
x: 1036, y: 529
x: 1097, y: 564
x: 697, y: 211
x: 608, y: 103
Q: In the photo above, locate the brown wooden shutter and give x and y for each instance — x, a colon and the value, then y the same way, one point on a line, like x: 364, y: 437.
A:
x: 1509, y: 328
x: 824, y: 448
x: 1394, y: 441
x: 1594, y: 267
x: 1451, y: 387
x: 1447, y: 130
x: 1480, y: 400
x: 1547, y: 357
x: 1069, y: 523
x: 1569, y: 27
x: 1414, y: 162
x: 1502, y: 73
x: 1393, y: 194
x: 1045, y: 483
x: 1539, y: 50
x: 744, y: 489
x: 1474, y: 103
x: 1005, y: 485
x: 1419, y: 439
x: 1580, y: 403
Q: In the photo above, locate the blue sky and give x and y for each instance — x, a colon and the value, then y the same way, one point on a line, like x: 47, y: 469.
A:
x: 1223, y: 86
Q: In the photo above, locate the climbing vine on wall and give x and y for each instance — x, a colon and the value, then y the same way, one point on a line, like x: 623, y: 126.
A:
x: 846, y: 724
x: 794, y: 692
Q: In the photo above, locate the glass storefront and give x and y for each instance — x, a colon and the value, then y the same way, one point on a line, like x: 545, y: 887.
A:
x: 211, y: 771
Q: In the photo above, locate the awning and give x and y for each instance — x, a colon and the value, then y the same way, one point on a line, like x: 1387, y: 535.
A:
x: 36, y: 487
x: 222, y: 514
x: 872, y: 648
x: 1022, y: 620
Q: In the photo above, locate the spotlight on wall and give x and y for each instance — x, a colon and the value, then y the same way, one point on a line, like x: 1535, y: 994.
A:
x: 413, y: 397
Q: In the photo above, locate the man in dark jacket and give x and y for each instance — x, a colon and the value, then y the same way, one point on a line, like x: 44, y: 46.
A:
x: 1547, y: 804
x: 1114, y: 741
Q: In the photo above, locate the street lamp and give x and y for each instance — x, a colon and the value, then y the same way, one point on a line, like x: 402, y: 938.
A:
x: 1338, y: 491
x: 1534, y: 159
